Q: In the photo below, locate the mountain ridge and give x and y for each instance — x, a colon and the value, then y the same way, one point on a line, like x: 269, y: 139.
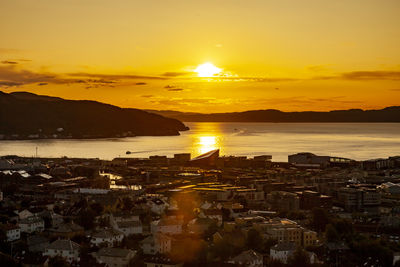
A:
x: 26, y: 115
x: 387, y: 114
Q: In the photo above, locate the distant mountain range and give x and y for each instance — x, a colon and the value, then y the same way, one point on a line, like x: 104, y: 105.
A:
x: 389, y: 114
x: 27, y: 116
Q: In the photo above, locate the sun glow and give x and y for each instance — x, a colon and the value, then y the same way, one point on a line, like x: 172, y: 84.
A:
x: 207, y: 70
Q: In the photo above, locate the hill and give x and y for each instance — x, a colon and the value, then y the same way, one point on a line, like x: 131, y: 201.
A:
x: 25, y: 116
x: 389, y: 114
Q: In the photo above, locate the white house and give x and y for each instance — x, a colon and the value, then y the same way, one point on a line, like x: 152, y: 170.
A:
x: 24, y: 214
x: 157, y: 205
x: 129, y: 227
x: 212, y: 213
x: 167, y: 226
x: 67, y: 249
x: 148, y: 245
x: 13, y: 232
x: 109, y: 237
x: 282, y: 251
x: 114, y: 257
x: 157, y: 243
x: 248, y: 258
x: 31, y: 224
x: 128, y: 224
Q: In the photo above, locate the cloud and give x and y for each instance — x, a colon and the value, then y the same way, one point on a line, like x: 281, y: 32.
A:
x: 41, y: 84
x: 147, y: 96
x: 9, y: 84
x: 173, y: 88
x: 371, y: 75
x: 363, y: 76
x: 10, y: 75
x: 254, y: 79
x: 177, y: 74
x: 317, y: 68
x: 114, y: 76
x: 9, y: 62
x: 397, y: 89
x: 140, y: 83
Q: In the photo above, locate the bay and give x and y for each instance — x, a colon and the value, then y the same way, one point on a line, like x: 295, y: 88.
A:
x: 358, y: 141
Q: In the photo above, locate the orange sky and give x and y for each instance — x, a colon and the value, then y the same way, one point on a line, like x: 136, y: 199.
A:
x: 288, y: 55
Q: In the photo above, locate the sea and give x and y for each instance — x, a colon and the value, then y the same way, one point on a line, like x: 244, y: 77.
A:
x: 359, y: 141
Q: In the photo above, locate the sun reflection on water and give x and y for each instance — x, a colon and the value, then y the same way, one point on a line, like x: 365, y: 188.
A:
x: 209, y: 138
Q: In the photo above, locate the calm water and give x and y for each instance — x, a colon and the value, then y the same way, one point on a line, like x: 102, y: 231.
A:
x: 353, y: 140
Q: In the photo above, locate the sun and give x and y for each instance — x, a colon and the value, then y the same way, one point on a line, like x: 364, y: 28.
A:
x: 207, y: 70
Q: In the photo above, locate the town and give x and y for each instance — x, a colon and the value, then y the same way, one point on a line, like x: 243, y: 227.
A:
x: 210, y: 210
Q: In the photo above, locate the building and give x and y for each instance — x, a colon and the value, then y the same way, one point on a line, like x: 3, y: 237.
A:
x: 129, y: 227
x: 283, y: 201
x: 181, y: 158
x: 161, y: 261
x: 148, y: 245
x: 128, y: 224
x: 312, y: 199
x: 31, y: 224
x: 359, y: 199
x: 307, y: 159
x: 107, y: 237
x: 282, y: 251
x: 13, y: 232
x: 205, y: 160
x: 285, y: 230
x: 114, y: 257
x: 167, y: 226
x: 248, y: 258
x: 66, y: 249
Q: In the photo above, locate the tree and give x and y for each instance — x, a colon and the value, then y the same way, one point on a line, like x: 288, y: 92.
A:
x: 128, y: 203
x: 58, y: 261
x: 331, y: 234
x: 254, y: 240
x: 97, y: 208
x: 319, y: 219
x: 299, y: 259
x: 86, y: 219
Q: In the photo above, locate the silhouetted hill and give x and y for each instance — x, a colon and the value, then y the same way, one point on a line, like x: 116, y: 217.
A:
x: 389, y: 114
x: 26, y: 115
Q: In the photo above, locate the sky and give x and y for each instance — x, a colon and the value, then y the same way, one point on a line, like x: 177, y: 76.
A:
x: 285, y: 54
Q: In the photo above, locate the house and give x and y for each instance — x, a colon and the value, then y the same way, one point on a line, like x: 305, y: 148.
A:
x: 248, y: 258
x: 31, y: 224
x: 64, y: 248
x: 126, y: 223
x: 124, y: 217
x: 161, y: 261
x: 167, y: 225
x: 108, y: 237
x: 199, y: 225
x: 53, y: 218
x: 157, y: 205
x: 163, y: 243
x: 157, y: 243
x: 13, y: 232
x: 114, y: 257
x: 212, y: 213
x: 282, y: 251
x: 148, y: 245
x: 24, y: 214
x: 129, y: 227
